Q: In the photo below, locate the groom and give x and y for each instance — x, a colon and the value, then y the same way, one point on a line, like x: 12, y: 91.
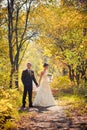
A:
x: 27, y: 78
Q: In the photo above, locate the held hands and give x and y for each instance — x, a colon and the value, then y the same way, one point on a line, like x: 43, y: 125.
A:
x: 37, y: 86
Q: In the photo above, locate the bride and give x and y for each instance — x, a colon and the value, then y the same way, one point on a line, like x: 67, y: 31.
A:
x: 44, y: 95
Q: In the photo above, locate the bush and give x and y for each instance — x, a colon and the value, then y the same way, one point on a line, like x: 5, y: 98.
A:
x: 61, y: 82
x: 8, y: 106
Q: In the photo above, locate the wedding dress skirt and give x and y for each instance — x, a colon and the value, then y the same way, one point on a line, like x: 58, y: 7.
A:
x: 44, y: 95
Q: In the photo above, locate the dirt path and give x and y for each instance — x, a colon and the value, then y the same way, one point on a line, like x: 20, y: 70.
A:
x: 51, y: 118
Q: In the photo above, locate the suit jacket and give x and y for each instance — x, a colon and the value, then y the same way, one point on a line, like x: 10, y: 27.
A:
x: 27, y: 78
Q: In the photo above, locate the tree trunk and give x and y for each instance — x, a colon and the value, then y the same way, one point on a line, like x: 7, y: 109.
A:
x: 16, y: 69
x: 84, y: 31
x: 69, y: 67
x: 11, y: 77
x: 16, y: 78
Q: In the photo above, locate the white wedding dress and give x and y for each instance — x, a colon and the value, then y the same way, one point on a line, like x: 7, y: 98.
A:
x: 44, y: 95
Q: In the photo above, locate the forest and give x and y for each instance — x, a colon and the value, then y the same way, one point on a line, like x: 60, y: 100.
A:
x: 38, y: 31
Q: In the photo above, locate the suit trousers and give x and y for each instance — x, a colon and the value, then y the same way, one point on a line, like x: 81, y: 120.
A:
x: 29, y: 91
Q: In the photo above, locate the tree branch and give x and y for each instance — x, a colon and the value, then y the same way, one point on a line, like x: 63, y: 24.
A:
x: 27, y: 14
x: 23, y: 53
x: 16, y: 28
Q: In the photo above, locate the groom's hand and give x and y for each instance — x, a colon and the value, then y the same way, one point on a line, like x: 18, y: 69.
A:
x: 37, y: 86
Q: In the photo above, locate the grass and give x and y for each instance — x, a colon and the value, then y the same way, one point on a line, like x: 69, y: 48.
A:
x: 70, y: 99
x: 72, y: 104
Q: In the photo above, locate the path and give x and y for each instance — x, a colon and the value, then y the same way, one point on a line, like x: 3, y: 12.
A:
x: 51, y: 118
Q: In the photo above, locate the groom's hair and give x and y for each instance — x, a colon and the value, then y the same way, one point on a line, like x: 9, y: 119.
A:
x: 29, y: 63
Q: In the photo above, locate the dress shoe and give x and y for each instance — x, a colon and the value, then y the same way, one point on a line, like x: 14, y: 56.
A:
x: 31, y: 106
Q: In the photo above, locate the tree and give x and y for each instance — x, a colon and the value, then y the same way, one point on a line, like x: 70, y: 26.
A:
x: 59, y: 30
x: 20, y: 30
x: 18, y: 35
x: 61, y: 35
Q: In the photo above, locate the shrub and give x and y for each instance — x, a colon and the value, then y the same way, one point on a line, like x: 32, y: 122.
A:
x: 61, y: 82
x: 8, y: 106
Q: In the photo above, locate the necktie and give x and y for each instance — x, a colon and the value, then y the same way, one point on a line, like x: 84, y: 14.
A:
x: 29, y: 72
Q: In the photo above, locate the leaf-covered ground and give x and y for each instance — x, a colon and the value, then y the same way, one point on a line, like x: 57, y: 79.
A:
x: 65, y: 117
x: 69, y: 114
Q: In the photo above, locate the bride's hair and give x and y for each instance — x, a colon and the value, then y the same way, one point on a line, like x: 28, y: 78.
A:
x: 45, y: 64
